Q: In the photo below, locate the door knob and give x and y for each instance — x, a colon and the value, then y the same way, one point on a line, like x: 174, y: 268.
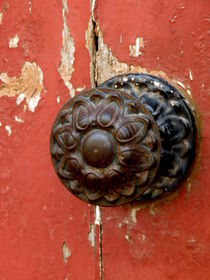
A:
x: 132, y: 138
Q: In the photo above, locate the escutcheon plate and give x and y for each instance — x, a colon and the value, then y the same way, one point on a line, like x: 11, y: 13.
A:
x: 175, y: 122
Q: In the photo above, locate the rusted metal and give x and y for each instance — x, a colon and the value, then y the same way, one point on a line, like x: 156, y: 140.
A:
x: 132, y: 138
x: 105, y: 147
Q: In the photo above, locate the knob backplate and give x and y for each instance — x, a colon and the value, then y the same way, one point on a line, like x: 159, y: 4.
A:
x: 176, y: 123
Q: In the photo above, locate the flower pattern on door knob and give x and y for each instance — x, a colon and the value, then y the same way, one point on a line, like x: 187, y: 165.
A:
x: 105, y: 147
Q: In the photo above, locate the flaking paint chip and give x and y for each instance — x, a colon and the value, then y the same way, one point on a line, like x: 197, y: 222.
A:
x: 66, y: 252
x: 8, y: 129
x: 13, y: 42
x: 136, y: 49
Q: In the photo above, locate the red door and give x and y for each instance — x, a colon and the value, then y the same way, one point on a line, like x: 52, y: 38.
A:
x: 50, y: 50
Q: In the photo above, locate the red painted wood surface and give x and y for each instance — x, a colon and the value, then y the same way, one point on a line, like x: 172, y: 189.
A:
x: 37, y: 215
x: 165, y: 240
x: 171, y: 240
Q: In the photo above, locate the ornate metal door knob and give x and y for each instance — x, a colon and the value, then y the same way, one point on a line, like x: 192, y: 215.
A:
x: 132, y: 138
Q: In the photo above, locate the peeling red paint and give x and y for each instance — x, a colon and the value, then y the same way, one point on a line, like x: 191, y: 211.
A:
x: 171, y: 239
x: 34, y: 207
x: 165, y: 240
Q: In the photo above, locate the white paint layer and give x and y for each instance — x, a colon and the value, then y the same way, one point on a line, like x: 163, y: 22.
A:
x: 33, y: 103
x: 18, y: 119
x: 58, y: 99
x: 91, y: 235
x: 1, y: 17
x: 27, y: 86
x: 29, y: 6
x: 66, y: 252
x: 66, y: 68
x: 97, y: 215
x: 136, y: 49
x: 8, y: 129
x: 13, y: 42
x: 20, y: 98
x: 190, y: 75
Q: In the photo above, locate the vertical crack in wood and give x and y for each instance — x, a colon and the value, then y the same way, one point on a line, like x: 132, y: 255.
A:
x: 66, y: 68
x: 100, y: 252
x: 92, y: 44
x: 99, y: 223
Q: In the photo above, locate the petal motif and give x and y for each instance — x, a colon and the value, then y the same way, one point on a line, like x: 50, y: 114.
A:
x: 82, y: 118
x: 63, y: 169
x: 111, y: 196
x: 56, y: 151
x: 73, y: 165
x: 65, y: 138
x: 174, y: 129
x: 126, y: 189
x: 92, y: 194
x: 139, y: 158
x: 114, y: 176
x: 109, y: 111
x: 93, y: 189
x: 81, y: 114
x: 97, y: 97
x: 133, y: 129
x: 150, y: 141
x: 75, y: 186
x: 142, y: 177
x: 92, y: 179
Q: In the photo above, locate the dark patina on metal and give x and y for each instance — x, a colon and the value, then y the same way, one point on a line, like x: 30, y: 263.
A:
x: 176, y: 124
x: 132, y: 138
x: 105, y: 147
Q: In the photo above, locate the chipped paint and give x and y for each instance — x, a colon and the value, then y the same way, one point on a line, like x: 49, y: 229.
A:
x: 0, y: 124
x: 8, y: 129
x: 189, y: 91
x: 125, y: 221
x: 181, y: 84
x: 136, y: 49
x: 18, y: 119
x: 13, y: 42
x: 79, y: 89
x: 93, y: 3
x: 188, y: 187
x: 133, y: 214
x: 33, y: 102
x: 58, y: 99
x: 66, y: 68
x: 127, y: 237
x: 29, y: 6
x: 104, y: 65
x: 107, y: 64
x: 66, y: 252
x: 28, y: 86
x: 20, y: 98
x: 173, y: 18
x: 190, y: 75
x: 97, y: 215
x: 91, y: 235
x: 5, y: 8
x: 152, y: 209
x: 1, y: 18
x: 98, y: 221
x: 91, y: 46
